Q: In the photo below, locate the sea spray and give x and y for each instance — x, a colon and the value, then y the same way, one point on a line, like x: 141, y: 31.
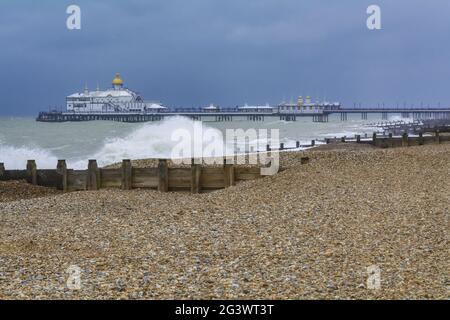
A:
x: 15, y: 158
x: 150, y: 140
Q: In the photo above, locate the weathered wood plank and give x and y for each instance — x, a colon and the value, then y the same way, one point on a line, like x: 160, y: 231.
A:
x: 145, y: 178
x: 180, y: 178
x: 76, y: 180
x: 111, y: 178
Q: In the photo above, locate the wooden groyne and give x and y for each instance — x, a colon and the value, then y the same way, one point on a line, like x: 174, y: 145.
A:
x: 414, y: 127
x: 391, y: 141
x: 196, y: 178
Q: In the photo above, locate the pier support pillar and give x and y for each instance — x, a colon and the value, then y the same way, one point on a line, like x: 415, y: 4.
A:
x: 32, y: 172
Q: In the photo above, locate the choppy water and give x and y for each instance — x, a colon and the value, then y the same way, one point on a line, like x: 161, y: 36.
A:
x: 108, y: 142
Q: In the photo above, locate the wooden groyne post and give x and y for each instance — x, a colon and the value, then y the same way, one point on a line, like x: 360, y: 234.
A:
x: 437, y: 137
x: 405, y: 139
x: 32, y: 172
x: 228, y: 173
x: 163, y: 176
x: 93, y: 176
x: 61, y: 169
x: 127, y: 174
x: 196, y: 171
x: 2, y: 169
x: 420, y: 140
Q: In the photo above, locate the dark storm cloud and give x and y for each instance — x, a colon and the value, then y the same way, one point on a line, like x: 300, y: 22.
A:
x: 227, y: 52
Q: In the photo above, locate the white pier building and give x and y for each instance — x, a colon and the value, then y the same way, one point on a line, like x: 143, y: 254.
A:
x: 116, y: 99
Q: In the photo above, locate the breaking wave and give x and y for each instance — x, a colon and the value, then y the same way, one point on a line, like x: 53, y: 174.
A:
x: 16, y: 157
x: 158, y: 140
x: 150, y: 140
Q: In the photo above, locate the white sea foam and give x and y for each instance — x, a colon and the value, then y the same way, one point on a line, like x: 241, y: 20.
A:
x: 16, y: 157
x: 153, y: 140
x: 150, y: 140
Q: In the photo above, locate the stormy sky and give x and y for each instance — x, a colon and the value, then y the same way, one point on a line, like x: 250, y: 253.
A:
x: 197, y: 52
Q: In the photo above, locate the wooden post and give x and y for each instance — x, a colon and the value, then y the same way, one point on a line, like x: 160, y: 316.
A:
x: 358, y: 138
x: 297, y: 144
x: 437, y: 137
x: 374, y: 138
x: 196, y: 170
x: 421, y: 141
x: 228, y: 174
x: 93, y: 176
x: 2, y: 169
x: 268, y: 147
x: 343, y: 139
x: 61, y: 168
x: 163, y: 176
x: 32, y: 172
x: 405, y: 139
x: 313, y: 143
x: 390, y: 140
x: 281, y: 146
x: 127, y: 171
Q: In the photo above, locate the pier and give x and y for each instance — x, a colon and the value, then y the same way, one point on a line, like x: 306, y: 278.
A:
x: 232, y: 115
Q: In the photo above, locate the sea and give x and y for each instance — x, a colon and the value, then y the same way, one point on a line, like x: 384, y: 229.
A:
x: 23, y: 138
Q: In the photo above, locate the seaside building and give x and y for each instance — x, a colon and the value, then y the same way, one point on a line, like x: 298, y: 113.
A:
x: 307, y: 106
x: 211, y: 108
x: 247, y: 108
x: 116, y: 99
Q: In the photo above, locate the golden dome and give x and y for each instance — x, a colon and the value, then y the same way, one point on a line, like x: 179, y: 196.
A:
x: 117, y: 80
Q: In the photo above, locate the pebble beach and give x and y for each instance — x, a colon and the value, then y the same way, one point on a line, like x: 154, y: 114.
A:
x: 309, y: 232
